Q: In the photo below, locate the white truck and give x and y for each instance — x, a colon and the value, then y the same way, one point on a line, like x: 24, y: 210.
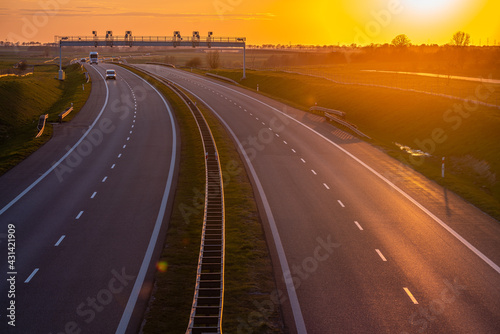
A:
x: 93, y: 57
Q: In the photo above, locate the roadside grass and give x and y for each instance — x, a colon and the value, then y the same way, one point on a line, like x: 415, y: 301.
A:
x: 24, y: 99
x: 466, y: 134
x: 248, y: 272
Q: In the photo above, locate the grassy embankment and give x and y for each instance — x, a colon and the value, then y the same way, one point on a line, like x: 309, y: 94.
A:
x: 24, y: 99
x: 469, y: 139
x: 249, y: 277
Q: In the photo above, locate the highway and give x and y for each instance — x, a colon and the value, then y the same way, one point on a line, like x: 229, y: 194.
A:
x: 360, y: 243
x: 87, y: 214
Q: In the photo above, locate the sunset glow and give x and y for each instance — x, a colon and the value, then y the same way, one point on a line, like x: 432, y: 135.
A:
x: 278, y: 22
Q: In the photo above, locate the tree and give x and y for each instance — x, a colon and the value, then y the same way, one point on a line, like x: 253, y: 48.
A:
x: 213, y: 59
x: 401, y: 41
x: 460, y: 38
x: 22, y: 65
x: 194, y: 62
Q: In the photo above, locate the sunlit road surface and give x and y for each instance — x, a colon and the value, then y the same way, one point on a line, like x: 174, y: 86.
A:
x: 85, y: 231
x: 365, y: 244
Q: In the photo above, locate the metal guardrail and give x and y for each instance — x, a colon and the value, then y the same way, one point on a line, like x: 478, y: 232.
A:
x: 206, y: 311
x: 348, y: 125
x: 65, y: 113
x: 41, y: 124
x: 222, y: 78
x: 330, y: 111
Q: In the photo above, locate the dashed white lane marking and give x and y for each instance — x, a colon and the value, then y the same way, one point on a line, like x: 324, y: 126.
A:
x: 130, y: 132
x: 79, y: 215
x: 240, y: 107
x: 112, y: 167
x: 93, y: 195
x: 277, y: 135
x: 128, y: 138
x: 60, y: 240
x: 124, y: 146
x: 341, y: 204
x: 359, y: 226
x: 119, y: 155
x: 410, y: 295
x: 105, y: 178
x: 270, y: 129
x: 284, y: 142
x: 381, y: 255
x: 31, y: 276
x: 133, y: 126
x: 302, y: 160
x: 263, y: 123
x: 256, y: 118
x: 293, y: 151
x: 314, y: 172
x: 326, y: 186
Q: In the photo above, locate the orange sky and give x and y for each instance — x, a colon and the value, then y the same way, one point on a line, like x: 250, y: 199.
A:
x: 261, y: 21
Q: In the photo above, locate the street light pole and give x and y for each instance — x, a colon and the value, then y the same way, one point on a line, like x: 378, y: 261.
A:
x: 61, y: 72
x: 244, y: 60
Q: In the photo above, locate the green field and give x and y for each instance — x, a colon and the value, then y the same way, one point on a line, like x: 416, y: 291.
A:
x: 466, y: 134
x: 24, y: 99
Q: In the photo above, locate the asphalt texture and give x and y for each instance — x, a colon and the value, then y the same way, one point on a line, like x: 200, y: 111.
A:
x: 88, y: 213
x: 360, y: 243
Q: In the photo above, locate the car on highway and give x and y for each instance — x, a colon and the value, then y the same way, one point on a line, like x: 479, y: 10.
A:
x: 83, y: 60
x: 110, y: 74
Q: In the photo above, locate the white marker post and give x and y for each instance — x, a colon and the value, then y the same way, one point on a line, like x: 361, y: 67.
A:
x: 442, y: 168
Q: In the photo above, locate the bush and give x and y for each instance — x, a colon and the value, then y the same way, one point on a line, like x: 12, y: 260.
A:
x: 194, y: 62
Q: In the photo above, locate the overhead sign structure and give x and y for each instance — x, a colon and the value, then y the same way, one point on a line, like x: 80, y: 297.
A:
x: 176, y: 40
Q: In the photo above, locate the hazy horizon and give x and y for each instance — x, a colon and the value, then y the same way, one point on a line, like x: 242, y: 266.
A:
x: 262, y: 22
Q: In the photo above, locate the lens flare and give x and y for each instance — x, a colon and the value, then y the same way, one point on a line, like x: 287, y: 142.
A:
x: 162, y: 266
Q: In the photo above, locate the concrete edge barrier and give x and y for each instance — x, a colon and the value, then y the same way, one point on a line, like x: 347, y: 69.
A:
x: 163, y: 64
x: 41, y: 124
x: 330, y: 111
x: 222, y: 78
x: 65, y: 113
x: 348, y: 125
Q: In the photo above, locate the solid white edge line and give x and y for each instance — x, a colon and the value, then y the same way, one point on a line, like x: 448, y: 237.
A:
x: 381, y: 255
x: 380, y: 176
x: 410, y: 295
x: 31, y: 276
x: 129, y: 308
x: 292, y: 294
x: 60, y: 240
x: 54, y: 166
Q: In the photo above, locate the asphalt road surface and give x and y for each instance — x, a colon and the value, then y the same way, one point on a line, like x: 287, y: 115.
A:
x: 360, y: 243
x: 86, y: 211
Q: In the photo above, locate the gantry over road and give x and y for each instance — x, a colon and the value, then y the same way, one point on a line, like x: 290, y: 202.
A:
x: 176, y: 40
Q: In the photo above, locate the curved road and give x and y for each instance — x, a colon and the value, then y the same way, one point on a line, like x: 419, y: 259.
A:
x: 88, y: 209
x: 361, y: 243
